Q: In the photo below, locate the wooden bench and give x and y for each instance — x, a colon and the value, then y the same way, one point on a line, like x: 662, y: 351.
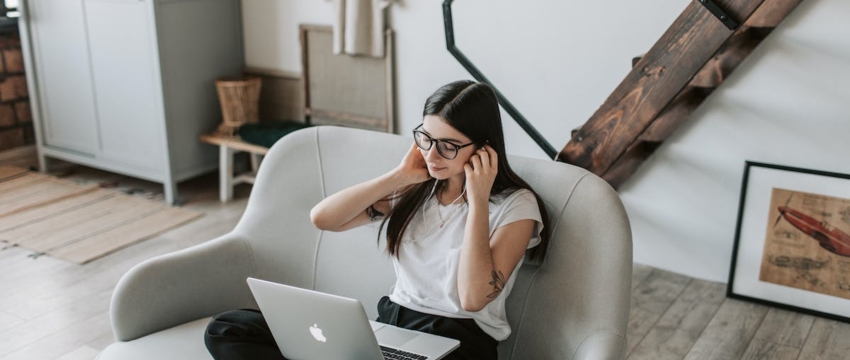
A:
x: 228, y: 146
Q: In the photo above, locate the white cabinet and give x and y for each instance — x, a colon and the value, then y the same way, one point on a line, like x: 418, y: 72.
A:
x: 128, y: 85
x: 67, y: 106
x: 126, y: 95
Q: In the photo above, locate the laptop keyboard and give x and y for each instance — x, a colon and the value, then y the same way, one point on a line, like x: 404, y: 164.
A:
x: 395, y: 354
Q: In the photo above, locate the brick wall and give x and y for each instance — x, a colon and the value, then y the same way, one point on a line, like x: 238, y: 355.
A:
x: 16, y: 127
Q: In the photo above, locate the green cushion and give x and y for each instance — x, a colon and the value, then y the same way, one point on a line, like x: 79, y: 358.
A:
x: 267, y: 133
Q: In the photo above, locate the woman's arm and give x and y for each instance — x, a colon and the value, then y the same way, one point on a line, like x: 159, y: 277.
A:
x: 485, y: 262
x: 347, y: 209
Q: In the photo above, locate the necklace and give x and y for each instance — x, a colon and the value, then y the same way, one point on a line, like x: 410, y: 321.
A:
x: 440, y: 214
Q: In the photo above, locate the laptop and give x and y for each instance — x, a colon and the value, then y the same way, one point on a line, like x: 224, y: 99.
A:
x: 309, y: 324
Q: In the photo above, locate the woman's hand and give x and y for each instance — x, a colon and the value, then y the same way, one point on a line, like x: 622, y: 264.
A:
x: 413, y: 169
x: 481, y: 173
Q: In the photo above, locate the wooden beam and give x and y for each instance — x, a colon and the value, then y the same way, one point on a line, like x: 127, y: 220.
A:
x: 742, y: 42
x: 657, y: 79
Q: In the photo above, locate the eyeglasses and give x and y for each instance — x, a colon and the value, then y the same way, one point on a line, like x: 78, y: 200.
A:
x: 444, y: 148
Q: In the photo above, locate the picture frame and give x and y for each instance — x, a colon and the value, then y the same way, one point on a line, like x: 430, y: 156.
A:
x: 345, y: 90
x: 792, y: 240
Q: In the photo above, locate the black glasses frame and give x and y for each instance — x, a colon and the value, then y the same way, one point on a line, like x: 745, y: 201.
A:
x: 437, y: 141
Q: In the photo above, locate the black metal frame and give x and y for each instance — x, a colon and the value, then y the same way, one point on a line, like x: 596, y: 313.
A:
x: 720, y: 14
x: 509, y: 108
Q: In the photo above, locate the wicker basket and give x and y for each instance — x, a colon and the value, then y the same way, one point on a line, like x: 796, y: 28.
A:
x: 239, y: 98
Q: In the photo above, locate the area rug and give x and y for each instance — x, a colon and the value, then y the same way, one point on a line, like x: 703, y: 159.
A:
x: 77, y: 222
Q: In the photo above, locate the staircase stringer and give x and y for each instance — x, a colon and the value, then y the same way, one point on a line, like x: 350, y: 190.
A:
x: 666, y: 85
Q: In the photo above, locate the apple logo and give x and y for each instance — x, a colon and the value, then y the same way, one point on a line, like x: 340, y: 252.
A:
x: 317, y: 333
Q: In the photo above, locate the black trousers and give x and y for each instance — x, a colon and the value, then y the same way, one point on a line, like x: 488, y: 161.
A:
x: 244, y: 334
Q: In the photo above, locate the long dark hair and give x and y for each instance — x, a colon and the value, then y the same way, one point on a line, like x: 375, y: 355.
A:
x: 472, y: 109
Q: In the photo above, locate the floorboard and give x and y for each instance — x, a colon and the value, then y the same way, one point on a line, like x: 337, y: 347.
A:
x: 781, y: 336
x: 682, y: 324
x: 729, y: 332
x: 828, y: 340
x: 650, y: 300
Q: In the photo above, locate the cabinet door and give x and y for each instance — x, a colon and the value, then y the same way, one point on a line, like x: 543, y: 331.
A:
x: 125, y: 70
x: 63, y: 72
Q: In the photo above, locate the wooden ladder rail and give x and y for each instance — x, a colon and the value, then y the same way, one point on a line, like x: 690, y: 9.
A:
x: 691, y: 59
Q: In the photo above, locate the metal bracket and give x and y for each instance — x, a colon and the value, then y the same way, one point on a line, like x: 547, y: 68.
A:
x: 720, y: 14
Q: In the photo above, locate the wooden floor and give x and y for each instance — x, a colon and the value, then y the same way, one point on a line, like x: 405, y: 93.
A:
x: 52, y: 309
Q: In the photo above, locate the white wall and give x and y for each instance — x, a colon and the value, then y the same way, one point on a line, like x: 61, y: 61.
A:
x: 558, y: 61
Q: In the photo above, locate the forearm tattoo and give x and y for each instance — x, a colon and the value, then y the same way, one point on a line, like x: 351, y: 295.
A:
x: 498, y: 283
x: 373, y: 213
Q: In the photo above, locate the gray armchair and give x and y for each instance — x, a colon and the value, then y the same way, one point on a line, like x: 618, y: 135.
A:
x: 575, y: 305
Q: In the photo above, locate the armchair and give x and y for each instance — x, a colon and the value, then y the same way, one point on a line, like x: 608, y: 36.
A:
x: 574, y: 305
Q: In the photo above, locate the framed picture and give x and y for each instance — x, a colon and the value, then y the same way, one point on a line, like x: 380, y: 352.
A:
x: 792, y: 241
x: 344, y: 90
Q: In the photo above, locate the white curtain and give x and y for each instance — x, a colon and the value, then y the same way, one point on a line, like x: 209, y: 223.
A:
x: 359, y: 27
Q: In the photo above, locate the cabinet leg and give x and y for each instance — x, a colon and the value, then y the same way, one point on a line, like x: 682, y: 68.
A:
x: 170, y: 190
x: 43, y: 162
x: 225, y: 159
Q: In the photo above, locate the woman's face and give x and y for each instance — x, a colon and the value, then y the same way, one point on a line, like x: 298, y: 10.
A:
x: 438, y: 166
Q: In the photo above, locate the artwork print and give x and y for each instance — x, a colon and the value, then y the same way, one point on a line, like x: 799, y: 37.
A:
x: 807, y: 242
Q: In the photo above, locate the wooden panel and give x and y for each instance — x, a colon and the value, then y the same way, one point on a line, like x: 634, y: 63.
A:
x: 697, y: 51
x: 713, y: 73
x: 10, y: 171
x: 9, y: 157
x: 323, y: 117
x: 343, y: 90
x: 828, y: 340
x: 657, y: 78
x: 729, y: 332
x: 676, y: 332
x: 650, y: 300
x: 47, y: 326
x: 234, y: 143
x: 781, y: 336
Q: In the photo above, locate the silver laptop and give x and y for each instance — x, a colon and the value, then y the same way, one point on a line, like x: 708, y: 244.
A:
x: 313, y: 325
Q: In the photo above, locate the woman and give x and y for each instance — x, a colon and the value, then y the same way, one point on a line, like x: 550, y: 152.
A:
x: 458, y: 224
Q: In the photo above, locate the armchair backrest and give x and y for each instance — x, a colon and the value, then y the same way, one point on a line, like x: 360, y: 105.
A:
x: 579, y: 294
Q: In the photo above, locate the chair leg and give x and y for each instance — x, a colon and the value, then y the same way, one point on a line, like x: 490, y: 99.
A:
x: 225, y: 159
x: 255, y: 162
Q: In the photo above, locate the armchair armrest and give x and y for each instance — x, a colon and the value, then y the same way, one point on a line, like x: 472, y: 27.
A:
x: 601, y: 345
x: 186, y: 285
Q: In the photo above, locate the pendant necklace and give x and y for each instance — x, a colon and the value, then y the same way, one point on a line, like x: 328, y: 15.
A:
x: 443, y: 221
x: 439, y: 214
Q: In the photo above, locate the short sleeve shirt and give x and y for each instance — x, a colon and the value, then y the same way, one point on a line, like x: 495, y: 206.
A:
x: 427, y: 265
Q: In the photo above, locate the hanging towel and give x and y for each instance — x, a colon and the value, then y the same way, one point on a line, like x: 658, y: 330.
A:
x: 359, y: 27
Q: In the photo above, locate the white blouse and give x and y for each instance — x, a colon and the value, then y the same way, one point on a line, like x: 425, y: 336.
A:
x: 427, y: 266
